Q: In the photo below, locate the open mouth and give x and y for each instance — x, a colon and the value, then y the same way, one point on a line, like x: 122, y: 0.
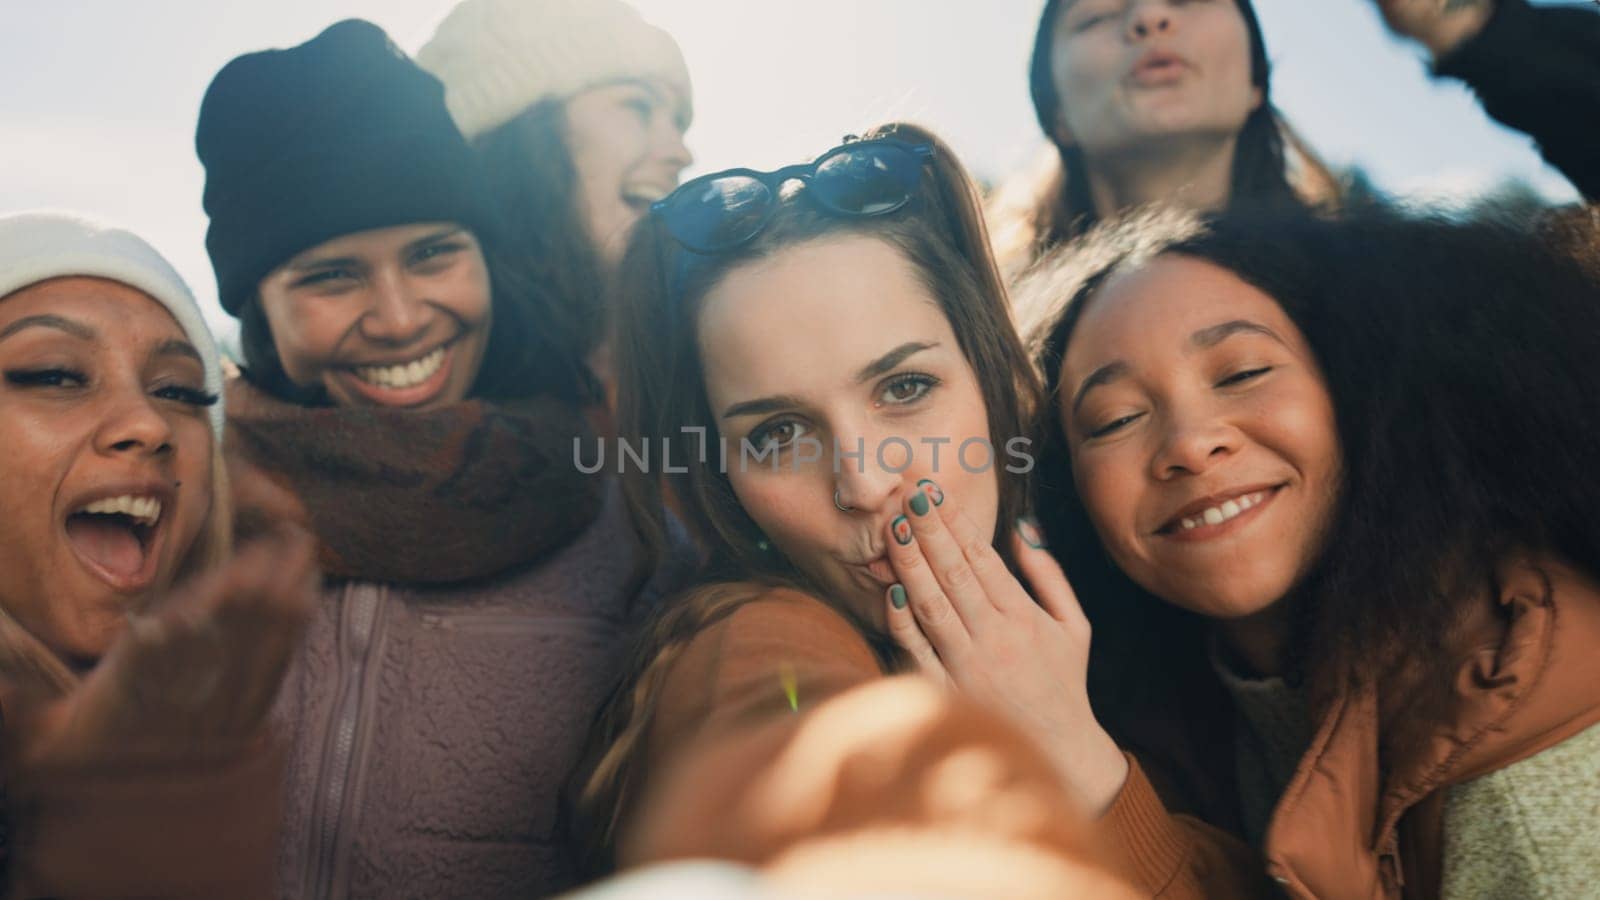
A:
x: 116, y: 539
x: 639, y: 197
x: 405, y: 383
x: 1216, y: 515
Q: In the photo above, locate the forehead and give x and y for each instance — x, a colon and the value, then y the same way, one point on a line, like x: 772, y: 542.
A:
x: 1154, y: 308
x: 376, y: 241
x: 810, y: 316
x: 109, y: 307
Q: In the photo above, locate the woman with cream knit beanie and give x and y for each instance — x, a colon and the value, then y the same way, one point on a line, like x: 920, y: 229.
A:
x: 577, y: 109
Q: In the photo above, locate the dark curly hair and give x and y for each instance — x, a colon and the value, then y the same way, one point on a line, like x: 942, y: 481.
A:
x: 1462, y: 360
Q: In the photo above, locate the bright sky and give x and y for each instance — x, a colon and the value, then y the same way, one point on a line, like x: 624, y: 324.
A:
x: 100, y: 97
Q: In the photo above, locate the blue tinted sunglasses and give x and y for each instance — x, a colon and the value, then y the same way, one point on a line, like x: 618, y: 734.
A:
x: 720, y: 211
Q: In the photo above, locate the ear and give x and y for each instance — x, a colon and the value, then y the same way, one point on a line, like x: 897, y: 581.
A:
x: 1257, y: 97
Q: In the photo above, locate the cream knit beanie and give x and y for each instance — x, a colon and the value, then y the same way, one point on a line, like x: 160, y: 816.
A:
x: 39, y: 246
x: 499, y: 57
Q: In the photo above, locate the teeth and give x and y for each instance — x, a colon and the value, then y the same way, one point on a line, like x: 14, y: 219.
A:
x: 1228, y: 509
x: 644, y: 193
x: 144, y: 510
x: 403, y: 375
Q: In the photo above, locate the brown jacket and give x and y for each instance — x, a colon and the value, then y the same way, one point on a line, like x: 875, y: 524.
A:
x: 779, y: 741
x: 1362, y: 816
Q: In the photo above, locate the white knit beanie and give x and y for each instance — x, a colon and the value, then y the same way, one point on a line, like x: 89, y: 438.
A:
x: 39, y: 246
x: 499, y: 57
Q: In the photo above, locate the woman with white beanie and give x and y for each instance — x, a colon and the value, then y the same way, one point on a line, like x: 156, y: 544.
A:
x: 138, y: 653
x: 577, y: 109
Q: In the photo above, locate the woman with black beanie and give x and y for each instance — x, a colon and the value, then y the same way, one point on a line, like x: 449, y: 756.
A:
x: 422, y: 403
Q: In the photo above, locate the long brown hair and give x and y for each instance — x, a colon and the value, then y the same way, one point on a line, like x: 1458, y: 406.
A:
x: 531, y: 174
x: 661, y: 390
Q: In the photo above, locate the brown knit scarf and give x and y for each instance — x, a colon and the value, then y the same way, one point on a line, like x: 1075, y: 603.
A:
x: 460, y: 493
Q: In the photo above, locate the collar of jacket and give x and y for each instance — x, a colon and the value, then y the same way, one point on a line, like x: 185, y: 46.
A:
x: 463, y: 492
x: 1528, y: 679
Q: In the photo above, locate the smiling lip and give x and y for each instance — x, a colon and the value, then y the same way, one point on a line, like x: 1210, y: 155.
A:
x: 1201, y: 528
x: 415, y: 395
x: 1158, y: 67
x: 151, y: 538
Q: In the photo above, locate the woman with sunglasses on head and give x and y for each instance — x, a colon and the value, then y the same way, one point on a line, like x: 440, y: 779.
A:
x: 423, y: 405
x: 139, y: 654
x: 827, y: 354
x: 1160, y: 101
x: 1326, y: 492
x: 577, y: 110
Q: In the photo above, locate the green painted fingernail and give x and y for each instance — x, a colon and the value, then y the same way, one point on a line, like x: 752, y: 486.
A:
x: 919, y: 503
x: 902, y: 530
x: 927, y: 486
x: 1032, y: 535
x: 897, y: 596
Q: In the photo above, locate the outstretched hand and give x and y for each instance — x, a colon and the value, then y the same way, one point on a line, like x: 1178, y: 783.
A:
x: 969, y: 623
x: 191, y: 678
x: 1439, y: 25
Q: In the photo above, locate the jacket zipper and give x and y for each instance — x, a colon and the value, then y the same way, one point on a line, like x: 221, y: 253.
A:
x: 358, y: 623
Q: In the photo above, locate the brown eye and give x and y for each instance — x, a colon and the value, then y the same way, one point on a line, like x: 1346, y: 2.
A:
x: 777, y: 434
x: 907, y: 389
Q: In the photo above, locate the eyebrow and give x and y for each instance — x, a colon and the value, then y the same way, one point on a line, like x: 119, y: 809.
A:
x: 871, y: 370
x: 76, y: 329
x: 1205, y: 338
x: 175, y: 347
x: 306, y: 264
x: 448, y: 231
x: 1216, y: 334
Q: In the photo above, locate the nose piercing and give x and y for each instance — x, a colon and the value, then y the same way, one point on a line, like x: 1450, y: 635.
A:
x: 837, y: 504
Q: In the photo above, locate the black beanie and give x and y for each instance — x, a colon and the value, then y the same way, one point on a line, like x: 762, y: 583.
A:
x: 341, y: 134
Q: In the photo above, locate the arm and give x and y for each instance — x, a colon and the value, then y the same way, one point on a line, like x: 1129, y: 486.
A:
x: 154, y: 775
x: 780, y: 743
x: 200, y: 828
x: 1535, y: 69
x: 1175, y: 856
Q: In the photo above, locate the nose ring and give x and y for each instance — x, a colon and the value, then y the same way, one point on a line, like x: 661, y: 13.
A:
x: 837, y: 504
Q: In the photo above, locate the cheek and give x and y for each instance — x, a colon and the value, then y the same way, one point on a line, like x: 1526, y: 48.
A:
x: 1109, y: 487
x: 781, y: 504
x: 469, y: 296
x: 306, y: 334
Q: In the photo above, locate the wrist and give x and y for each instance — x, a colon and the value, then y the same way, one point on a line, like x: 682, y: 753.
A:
x: 1458, y: 27
x: 1094, y: 768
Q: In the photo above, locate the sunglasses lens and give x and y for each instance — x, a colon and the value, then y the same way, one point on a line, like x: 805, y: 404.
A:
x: 719, y: 213
x: 866, y: 181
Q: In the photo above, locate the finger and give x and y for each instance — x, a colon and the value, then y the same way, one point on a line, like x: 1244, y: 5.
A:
x: 1004, y: 591
x: 908, y: 634
x: 936, y: 619
x: 959, y: 568
x: 1047, y: 581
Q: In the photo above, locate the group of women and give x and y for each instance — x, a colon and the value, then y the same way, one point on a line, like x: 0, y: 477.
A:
x: 352, y: 622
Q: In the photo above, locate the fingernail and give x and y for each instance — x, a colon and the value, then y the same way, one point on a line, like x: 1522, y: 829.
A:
x: 901, y: 526
x: 919, y: 503
x: 1028, y: 528
x: 897, y: 596
x: 932, y: 490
